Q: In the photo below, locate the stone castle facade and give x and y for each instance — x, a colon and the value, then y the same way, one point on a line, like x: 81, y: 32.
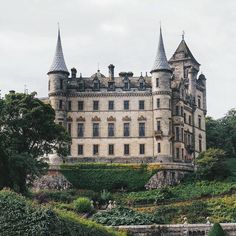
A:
x: 127, y: 118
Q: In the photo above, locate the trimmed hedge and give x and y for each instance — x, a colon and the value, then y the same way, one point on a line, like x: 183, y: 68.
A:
x: 19, y: 216
x: 99, y: 176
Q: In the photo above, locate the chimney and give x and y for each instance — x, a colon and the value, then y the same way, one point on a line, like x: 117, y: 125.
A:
x: 73, y: 73
x: 111, y: 71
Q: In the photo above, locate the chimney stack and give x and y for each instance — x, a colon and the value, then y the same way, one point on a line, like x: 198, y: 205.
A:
x: 111, y: 71
x: 73, y: 73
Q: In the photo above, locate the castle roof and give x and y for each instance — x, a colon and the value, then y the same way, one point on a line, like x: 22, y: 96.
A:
x: 183, y: 52
x: 58, y: 64
x: 160, y: 62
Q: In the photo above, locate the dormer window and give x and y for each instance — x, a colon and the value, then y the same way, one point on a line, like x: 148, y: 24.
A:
x: 111, y: 86
x: 96, y: 84
x: 126, y: 83
x: 81, y: 85
x: 141, y: 85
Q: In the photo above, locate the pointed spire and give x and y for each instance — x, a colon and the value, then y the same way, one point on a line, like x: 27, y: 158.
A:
x: 161, y: 62
x: 58, y: 64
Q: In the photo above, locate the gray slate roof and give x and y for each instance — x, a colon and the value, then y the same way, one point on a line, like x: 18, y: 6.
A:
x: 161, y: 62
x: 58, y: 63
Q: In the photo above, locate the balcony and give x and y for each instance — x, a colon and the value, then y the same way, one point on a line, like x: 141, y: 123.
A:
x: 158, y: 134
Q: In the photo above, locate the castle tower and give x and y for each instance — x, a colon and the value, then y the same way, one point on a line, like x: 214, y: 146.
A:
x: 57, y: 83
x: 162, y: 94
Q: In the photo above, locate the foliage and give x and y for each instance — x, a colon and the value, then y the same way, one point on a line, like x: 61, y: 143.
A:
x: 105, y: 196
x: 221, y: 133
x: 108, y: 176
x: 216, y: 230
x: 82, y: 205
x: 27, y: 132
x: 18, y: 216
x: 183, y: 191
x: 211, y: 165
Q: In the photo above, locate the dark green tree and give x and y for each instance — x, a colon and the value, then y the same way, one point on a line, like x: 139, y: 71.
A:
x: 211, y: 165
x: 27, y: 133
x: 216, y: 230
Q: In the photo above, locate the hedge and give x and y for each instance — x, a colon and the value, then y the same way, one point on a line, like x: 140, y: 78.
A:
x: 99, y: 176
x: 19, y: 216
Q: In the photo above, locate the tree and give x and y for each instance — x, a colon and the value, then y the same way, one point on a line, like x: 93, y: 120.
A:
x: 216, y: 230
x: 27, y: 133
x: 211, y: 165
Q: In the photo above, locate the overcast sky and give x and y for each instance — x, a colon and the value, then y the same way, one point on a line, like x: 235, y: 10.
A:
x: 122, y: 32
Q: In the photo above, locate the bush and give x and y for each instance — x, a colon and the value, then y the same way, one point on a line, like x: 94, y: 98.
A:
x: 108, y: 176
x: 216, y: 230
x: 82, y: 205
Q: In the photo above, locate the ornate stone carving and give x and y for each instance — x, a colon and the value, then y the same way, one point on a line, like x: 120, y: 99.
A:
x: 158, y: 134
x: 96, y: 118
x: 142, y: 118
x: 126, y: 118
x: 111, y: 118
x: 80, y: 118
x: 69, y: 119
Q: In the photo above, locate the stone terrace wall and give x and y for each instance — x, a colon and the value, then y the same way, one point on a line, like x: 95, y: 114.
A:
x: 176, y: 230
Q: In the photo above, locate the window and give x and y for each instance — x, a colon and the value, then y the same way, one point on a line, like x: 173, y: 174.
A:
x: 199, y: 102
x: 80, y: 105
x: 141, y: 104
x: 141, y: 129
x: 184, y: 117
x: 48, y: 84
x: 177, y: 133
x: 182, y: 153
x: 190, y: 119
x: 95, y: 129
x: 95, y: 105
x: 158, y: 125
x: 141, y: 85
x: 182, y: 111
x: 158, y: 102
x: 200, y: 145
x: 111, y: 86
x: 61, y: 83
x: 69, y: 128
x: 111, y: 129
x: 96, y: 85
x: 126, y: 85
x: 80, y: 149
x: 182, y: 134
x: 158, y: 147
x: 169, y: 103
x: 80, y: 129
x: 60, y: 123
x: 69, y: 105
x: 126, y: 105
x: 126, y: 129
x: 157, y: 82
x: 141, y: 149
x: 199, y: 122
x: 110, y: 105
x: 111, y: 149
x: 126, y: 149
x: 176, y: 110
x: 81, y: 86
x: 177, y: 153
x: 95, y: 149
x: 69, y: 149
x: 60, y: 104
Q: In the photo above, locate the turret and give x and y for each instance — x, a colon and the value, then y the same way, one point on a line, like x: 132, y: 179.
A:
x: 57, y: 84
x: 161, y: 79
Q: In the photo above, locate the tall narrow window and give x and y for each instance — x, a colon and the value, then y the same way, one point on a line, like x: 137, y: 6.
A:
x: 141, y: 149
x: 95, y: 129
x: 110, y: 105
x: 184, y: 117
x: 80, y: 105
x: 141, y: 129
x: 126, y: 85
x: 95, y: 105
x: 69, y: 128
x: 126, y: 149
x: 177, y: 110
x: 200, y: 145
x: 69, y: 105
x: 182, y: 153
x: 111, y: 149
x: 199, y: 102
x: 182, y: 111
x: 60, y: 104
x: 182, y: 134
x: 141, y: 104
x: 158, y: 125
x: 111, y: 129
x: 157, y: 82
x: 190, y: 119
x: 169, y: 103
x: 158, y: 102
x: 177, y: 153
x: 177, y: 133
x: 95, y: 149
x: 96, y: 85
x: 80, y: 149
x: 80, y: 130
x: 126, y: 129
x: 199, y: 122
x: 61, y: 83
x: 158, y: 147
x: 126, y: 105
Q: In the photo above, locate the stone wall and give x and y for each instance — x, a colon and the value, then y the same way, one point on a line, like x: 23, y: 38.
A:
x: 176, y: 230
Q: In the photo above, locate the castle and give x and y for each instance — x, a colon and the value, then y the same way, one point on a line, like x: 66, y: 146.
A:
x: 127, y: 118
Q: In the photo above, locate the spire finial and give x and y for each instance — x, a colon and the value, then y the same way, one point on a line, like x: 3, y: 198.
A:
x: 183, y: 33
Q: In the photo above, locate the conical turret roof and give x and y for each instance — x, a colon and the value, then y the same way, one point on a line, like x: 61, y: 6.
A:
x: 58, y: 64
x: 161, y: 62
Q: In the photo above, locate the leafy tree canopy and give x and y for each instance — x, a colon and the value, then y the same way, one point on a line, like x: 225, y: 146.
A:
x: 27, y: 133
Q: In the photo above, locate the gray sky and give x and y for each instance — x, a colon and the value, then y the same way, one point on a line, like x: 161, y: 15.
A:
x: 122, y: 32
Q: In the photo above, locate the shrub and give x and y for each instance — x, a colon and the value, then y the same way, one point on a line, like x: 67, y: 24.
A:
x: 108, y: 176
x: 216, y: 230
x: 82, y: 205
x: 105, y: 196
